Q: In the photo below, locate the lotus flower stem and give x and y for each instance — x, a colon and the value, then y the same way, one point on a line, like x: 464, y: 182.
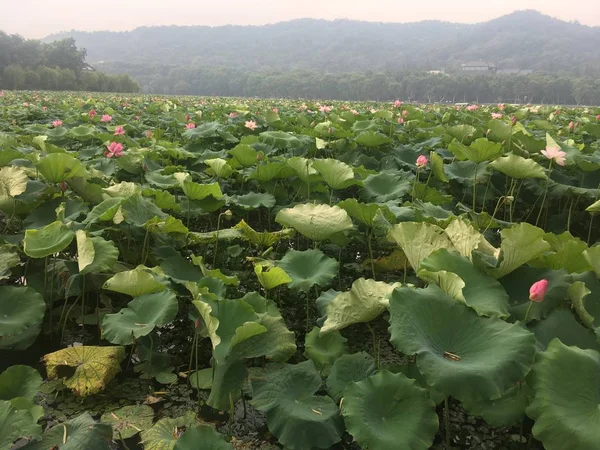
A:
x: 475, y: 187
x: 487, y: 186
x: 369, y: 236
x: 527, y: 312
x: 83, y: 303
x: 545, y: 193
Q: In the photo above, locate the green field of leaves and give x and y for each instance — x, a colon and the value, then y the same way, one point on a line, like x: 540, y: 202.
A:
x: 219, y: 273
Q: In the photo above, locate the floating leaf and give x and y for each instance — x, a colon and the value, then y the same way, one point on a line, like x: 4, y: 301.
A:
x: 128, y: 421
x: 308, y: 268
x: 205, y: 434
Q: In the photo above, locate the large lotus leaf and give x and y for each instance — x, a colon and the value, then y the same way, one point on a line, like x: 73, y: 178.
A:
x: 296, y: 417
x: 592, y: 257
x: 337, y: 175
x: 244, y: 155
x: 271, y: 278
x: 139, y: 281
x: 567, y: 395
x: 165, y: 433
x: 19, y: 381
x: 308, y: 268
x: 462, y: 132
x: 128, y: 421
x: 366, y: 213
x: 104, y: 211
x: 94, y: 254
x: 21, y: 313
x: 466, y: 238
x: 79, y: 433
x: 271, y: 171
x: 348, y: 369
x: 142, y: 315
x: 13, y: 181
x: 204, y: 435
x: 47, y: 241
x: 505, y: 411
x: 58, y: 167
x: 419, y: 239
x: 520, y: 244
x: 261, y: 238
x: 458, y: 352
x: 482, y: 292
x: 137, y: 210
x: 9, y: 258
x: 566, y: 253
x: 124, y: 189
x: 92, y: 368
x: 390, y: 412
x: 518, y: 167
x: 366, y: 300
x: 324, y: 350
x: 253, y: 200
x: 385, y: 186
x: 280, y: 139
x: 562, y: 324
x: 479, y: 151
x: 219, y: 167
x: 303, y: 168
x: 166, y: 225
x: 584, y: 297
x: 517, y: 285
x: 372, y: 139
x: 316, y: 222
x: 195, y: 191
x: 15, y: 424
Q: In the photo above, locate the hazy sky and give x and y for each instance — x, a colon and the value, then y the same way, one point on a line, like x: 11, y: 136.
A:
x: 38, y: 18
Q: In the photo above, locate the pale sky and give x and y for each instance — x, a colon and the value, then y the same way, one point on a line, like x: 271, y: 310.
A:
x: 38, y: 18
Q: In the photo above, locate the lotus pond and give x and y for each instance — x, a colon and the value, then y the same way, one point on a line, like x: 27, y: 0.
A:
x: 186, y: 273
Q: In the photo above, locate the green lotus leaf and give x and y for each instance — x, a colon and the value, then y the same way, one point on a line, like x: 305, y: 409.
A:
x: 123, y: 189
x: 464, y: 172
x: 195, y: 191
x: 104, y: 211
x: 15, y: 424
x: 412, y: 372
x: 201, y: 379
x: 166, y: 225
x: 79, y: 433
x: 303, y: 168
x: 209, y: 438
x: 271, y: 171
x: 128, y: 421
x: 13, y: 182
x: 8, y: 155
x: 520, y: 244
x: 136, y: 210
x: 366, y: 213
x: 219, y: 167
x: 561, y: 375
x: 337, y: 175
x: 437, y: 167
x: 517, y: 285
x: 244, y: 155
x: 372, y: 139
x: 518, y: 167
x: 585, y: 298
x: 505, y: 411
x: 215, y: 273
x: 566, y: 253
x: 429, y: 194
x: 594, y: 208
x: 253, y: 200
x: 261, y: 238
x: 165, y: 433
x: 389, y: 411
x: 160, y: 181
x: 482, y: 292
x: 366, y: 300
x: 466, y: 238
x: 19, y: 381
x: 462, y: 132
x: 94, y: 367
x: 308, y: 268
x: 592, y: 257
x: 90, y: 192
x: 480, y: 150
x: 385, y: 186
x: 500, y: 130
x: 22, y: 310
x: 59, y: 167
x: 47, y: 241
x: 562, y: 324
x: 94, y: 254
x: 296, y: 417
x: 458, y: 352
x: 280, y: 139
x: 9, y: 258
x: 419, y: 239
x: 324, y: 350
x: 316, y: 222
x: 139, y: 281
x: 142, y: 315
x: 271, y: 278
x: 348, y: 369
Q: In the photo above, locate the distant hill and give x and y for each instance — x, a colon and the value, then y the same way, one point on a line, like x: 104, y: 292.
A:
x: 522, y: 40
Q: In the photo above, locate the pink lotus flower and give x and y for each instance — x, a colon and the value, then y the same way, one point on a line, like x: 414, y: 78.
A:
x: 405, y: 113
x: 233, y: 115
x: 555, y: 154
x: 557, y: 112
x: 400, y: 120
x: 114, y: 150
x: 458, y: 107
x: 598, y: 117
x: 1, y: 93
x: 57, y: 123
x: 190, y: 126
x: 514, y: 120
x: 119, y: 130
x: 571, y: 126
x: 501, y: 106
x: 397, y: 104
x: 538, y: 290
x: 187, y: 117
x: 355, y: 112
x: 276, y: 111
x: 106, y: 118
x: 497, y: 116
x: 92, y: 113
x: 148, y: 134
x: 325, y: 109
x: 250, y: 124
x: 422, y: 161
x: 472, y: 108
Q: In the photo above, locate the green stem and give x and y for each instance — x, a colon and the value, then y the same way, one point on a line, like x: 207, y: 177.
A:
x: 83, y: 303
x: 527, y: 312
x: 487, y: 186
x: 475, y: 187
x: 369, y: 236
x: 537, y: 220
x: 415, y: 184
x: 217, y: 241
x: 569, y: 217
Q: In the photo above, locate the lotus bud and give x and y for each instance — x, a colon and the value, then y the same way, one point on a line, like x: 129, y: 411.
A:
x: 514, y: 120
x: 508, y: 199
x: 538, y: 291
x: 571, y: 126
x: 422, y: 161
x: 228, y: 214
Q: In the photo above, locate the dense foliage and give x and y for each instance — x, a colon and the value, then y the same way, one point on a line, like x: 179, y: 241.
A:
x: 57, y: 66
x: 367, y: 275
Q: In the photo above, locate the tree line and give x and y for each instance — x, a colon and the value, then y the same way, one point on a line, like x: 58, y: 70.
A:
x: 60, y: 65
